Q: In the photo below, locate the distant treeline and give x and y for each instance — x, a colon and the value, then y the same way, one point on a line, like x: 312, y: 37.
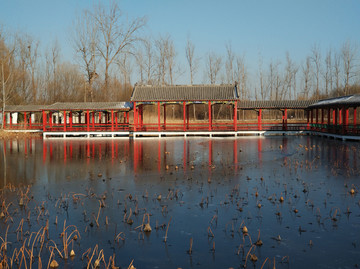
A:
x: 113, y: 52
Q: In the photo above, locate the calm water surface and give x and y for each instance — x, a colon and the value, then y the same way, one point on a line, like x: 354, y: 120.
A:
x: 210, y: 189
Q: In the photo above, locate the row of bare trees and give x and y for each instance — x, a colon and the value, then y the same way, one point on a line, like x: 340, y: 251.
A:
x: 113, y: 51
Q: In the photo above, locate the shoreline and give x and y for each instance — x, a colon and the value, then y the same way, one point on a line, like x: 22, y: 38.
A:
x: 12, y: 135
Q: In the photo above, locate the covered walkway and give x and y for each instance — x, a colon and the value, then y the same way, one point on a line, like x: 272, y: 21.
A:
x: 336, y: 116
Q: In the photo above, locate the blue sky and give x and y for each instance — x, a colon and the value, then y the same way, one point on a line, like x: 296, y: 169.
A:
x: 268, y: 28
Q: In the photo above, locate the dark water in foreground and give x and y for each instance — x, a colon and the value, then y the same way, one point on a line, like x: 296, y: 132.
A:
x: 210, y: 189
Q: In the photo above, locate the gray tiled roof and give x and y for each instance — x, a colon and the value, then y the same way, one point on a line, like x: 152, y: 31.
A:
x: 299, y: 104
x: 347, y: 101
x: 184, y: 93
x: 23, y: 108
x: 89, y: 106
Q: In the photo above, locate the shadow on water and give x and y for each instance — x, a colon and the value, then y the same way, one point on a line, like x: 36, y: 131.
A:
x: 298, y: 195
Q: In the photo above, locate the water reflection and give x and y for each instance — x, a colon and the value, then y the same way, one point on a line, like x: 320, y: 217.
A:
x: 198, y: 178
x: 21, y: 161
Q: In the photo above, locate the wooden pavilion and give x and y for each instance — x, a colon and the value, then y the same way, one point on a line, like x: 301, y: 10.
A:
x: 210, y: 96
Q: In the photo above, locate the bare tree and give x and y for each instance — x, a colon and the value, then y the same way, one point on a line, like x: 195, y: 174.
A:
x: 125, y: 66
x: 316, y: 60
x: 290, y: 77
x: 8, y: 74
x: 306, y: 72
x: 170, y: 53
x: 241, y: 75
x: 328, y: 72
x: 229, y: 64
x: 348, y: 56
x: 213, y: 66
x: 161, y: 46
x: 52, y: 57
x: 191, y: 59
x: 117, y: 35
x: 84, y: 39
x: 261, y: 79
x: 337, y: 70
x: 149, y: 60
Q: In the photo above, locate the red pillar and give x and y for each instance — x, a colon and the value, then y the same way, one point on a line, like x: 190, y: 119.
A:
x: 336, y: 118
x: 70, y: 120
x: 93, y: 120
x: 322, y: 118
x: 158, y: 112
x: 210, y: 116
x: 259, y: 119
x: 308, y: 119
x: 345, y: 120
x: 328, y: 120
x: 44, y: 120
x: 187, y: 117
x: 30, y: 123
x: 25, y: 120
x: 141, y: 115
x: 64, y: 120
x: 355, y: 120
x: 283, y: 119
x: 164, y: 116
x: 87, y: 120
x: 4, y: 121
x: 50, y: 119
x: 10, y: 120
x: 235, y: 116
x: 184, y: 114
x: 112, y: 120
x: 340, y: 116
x: 135, y: 118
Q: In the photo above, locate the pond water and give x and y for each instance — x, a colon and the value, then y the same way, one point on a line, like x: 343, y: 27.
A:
x: 292, y: 193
